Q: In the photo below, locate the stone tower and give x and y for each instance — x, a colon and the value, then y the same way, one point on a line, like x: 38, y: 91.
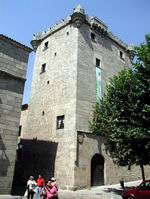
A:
x: 73, y: 62
x: 13, y: 65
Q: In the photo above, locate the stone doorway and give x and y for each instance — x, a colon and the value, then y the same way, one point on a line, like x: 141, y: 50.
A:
x: 97, y: 170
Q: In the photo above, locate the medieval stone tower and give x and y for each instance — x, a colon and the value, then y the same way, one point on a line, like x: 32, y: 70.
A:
x: 73, y: 62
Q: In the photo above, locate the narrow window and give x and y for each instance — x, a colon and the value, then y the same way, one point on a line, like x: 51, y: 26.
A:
x: 47, y: 82
x: 43, y: 68
x: 92, y: 36
x: 121, y: 55
x: 55, y: 53
x: 67, y: 33
x: 19, y: 132
x: 97, y: 62
x: 60, y: 122
x: 98, y: 83
x: 45, y: 45
x: 43, y: 112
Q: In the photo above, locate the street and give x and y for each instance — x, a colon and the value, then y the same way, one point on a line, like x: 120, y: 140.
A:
x: 99, y: 192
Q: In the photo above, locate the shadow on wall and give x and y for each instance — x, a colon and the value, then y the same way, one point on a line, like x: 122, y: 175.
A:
x: 34, y: 157
x: 4, y: 161
x: 11, y: 83
x: 99, y: 40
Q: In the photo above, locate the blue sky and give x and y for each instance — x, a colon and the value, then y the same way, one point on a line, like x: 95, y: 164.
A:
x: 20, y: 19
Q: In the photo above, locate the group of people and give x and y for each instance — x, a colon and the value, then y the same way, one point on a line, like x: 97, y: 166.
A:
x: 41, y: 189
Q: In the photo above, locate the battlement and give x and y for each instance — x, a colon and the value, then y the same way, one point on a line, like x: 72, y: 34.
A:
x: 78, y: 17
x: 98, y: 22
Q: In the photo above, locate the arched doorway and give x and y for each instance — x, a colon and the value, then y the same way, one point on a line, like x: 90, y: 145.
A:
x: 97, y: 170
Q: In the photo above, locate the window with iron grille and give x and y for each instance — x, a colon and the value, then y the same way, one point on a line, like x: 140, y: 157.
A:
x: 60, y: 122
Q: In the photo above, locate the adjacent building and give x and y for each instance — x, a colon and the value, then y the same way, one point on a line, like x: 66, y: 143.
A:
x: 13, y: 65
x: 73, y: 63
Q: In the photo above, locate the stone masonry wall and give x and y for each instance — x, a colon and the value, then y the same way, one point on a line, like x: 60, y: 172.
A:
x: 54, y: 94
x: 110, y: 62
x: 91, y: 145
x: 107, y: 51
x: 13, y: 61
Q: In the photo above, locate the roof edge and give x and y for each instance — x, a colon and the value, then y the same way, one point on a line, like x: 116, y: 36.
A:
x: 78, y: 17
x: 16, y: 43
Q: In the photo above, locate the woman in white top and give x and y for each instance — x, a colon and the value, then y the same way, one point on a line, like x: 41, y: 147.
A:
x: 31, y: 186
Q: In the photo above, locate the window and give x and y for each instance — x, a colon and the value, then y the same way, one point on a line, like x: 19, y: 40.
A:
x: 60, y: 122
x: 93, y: 36
x: 45, y: 45
x: 43, y: 68
x: 67, y: 33
x: 97, y: 62
x: 24, y: 107
x: 121, y: 55
x: 55, y: 53
x: 47, y: 82
x: 19, y: 132
x: 145, y: 186
x: 98, y: 80
x: 43, y: 112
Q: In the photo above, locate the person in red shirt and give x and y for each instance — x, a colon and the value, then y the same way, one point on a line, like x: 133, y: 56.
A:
x: 40, y: 184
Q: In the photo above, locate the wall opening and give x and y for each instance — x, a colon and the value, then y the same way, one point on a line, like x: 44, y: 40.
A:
x: 97, y: 170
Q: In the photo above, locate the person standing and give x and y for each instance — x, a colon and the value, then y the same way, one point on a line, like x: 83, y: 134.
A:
x: 51, y: 191
x: 53, y: 180
x: 122, y: 183
x: 31, y: 187
x: 40, y: 184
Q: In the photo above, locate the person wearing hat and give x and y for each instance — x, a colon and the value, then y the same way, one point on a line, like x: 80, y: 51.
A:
x: 51, y: 191
x: 53, y: 180
x: 31, y: 187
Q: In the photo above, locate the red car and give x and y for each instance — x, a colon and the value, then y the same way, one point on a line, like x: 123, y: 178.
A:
x: 140, y: 192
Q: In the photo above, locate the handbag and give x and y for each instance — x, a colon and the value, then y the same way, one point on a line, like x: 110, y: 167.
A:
x: 26, y: 193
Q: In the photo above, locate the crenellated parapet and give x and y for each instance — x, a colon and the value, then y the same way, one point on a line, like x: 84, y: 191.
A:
x: 36, y: 40
x: 117, y: 40
x: 78, y: 18
x: 98, y: 26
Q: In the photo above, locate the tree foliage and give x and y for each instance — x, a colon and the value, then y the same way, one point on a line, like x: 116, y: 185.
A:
x: 123, y: 115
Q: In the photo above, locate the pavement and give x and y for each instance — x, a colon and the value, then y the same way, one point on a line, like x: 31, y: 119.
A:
x: 99, y: 192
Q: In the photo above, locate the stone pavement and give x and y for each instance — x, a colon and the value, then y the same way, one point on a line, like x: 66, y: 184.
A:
x: 100, y: 192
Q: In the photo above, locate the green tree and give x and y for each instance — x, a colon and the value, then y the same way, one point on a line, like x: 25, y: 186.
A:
x: 123, y: 115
